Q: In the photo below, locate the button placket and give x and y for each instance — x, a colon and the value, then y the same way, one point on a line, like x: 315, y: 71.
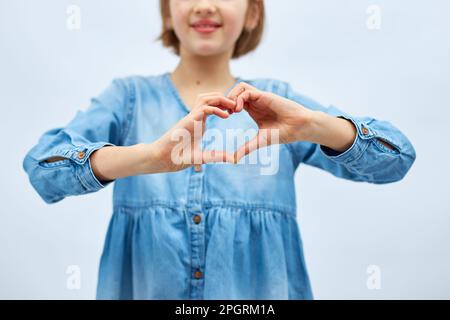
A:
x: 196, y: 227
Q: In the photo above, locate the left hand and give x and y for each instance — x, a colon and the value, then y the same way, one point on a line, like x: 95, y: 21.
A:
x: 270, y: 112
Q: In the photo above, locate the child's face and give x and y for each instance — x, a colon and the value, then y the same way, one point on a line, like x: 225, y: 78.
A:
x: 230, y: 15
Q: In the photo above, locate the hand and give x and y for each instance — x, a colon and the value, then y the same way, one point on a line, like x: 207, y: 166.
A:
x: 275, y: 116
x: 173, y: 155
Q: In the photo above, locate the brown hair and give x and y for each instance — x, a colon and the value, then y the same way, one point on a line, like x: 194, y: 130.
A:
x: 247, y: 41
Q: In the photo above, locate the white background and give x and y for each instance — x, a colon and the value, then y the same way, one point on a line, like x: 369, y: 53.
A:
x: 400, y: 73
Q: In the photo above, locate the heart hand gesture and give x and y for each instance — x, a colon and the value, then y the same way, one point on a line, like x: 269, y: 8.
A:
x: 174, y: 155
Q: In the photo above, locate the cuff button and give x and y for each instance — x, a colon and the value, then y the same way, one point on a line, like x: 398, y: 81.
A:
x: 365, y: 131
x: 81, y: 155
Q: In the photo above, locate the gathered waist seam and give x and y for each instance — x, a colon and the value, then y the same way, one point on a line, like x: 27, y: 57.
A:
x: 208, y: 204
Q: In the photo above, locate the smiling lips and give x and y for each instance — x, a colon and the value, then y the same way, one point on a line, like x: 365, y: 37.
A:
x: 205, y: 26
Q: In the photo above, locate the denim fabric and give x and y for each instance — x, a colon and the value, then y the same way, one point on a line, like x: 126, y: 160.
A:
x: 247, y: 244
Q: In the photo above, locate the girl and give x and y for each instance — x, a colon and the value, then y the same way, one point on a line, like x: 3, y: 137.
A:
x: 213, y: 227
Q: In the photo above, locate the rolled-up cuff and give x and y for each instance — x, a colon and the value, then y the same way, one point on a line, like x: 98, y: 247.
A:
x: 84, y: 170
x: 361, y: 142
x: 80, y: 157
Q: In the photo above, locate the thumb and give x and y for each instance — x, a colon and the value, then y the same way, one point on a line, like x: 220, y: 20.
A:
x: 259, y: 141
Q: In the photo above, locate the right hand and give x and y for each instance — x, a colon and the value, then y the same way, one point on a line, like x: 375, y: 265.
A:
x: 180, y: 147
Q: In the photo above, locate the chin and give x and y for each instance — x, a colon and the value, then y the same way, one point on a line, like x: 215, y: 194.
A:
x: 206, y: 50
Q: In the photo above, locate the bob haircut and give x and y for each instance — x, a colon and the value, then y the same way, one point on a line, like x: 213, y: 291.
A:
x: 247, y: 41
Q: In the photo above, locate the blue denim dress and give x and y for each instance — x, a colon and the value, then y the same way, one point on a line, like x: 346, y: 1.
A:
x: 226, y: 232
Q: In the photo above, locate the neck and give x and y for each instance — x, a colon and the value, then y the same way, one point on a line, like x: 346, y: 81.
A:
x: 205, y: 71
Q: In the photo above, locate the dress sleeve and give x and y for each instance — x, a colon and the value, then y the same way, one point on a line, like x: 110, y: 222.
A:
x: 103, y: 123
x: 368, y: 159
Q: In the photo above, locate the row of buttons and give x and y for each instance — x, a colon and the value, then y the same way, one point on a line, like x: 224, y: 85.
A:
x: 197, y: 219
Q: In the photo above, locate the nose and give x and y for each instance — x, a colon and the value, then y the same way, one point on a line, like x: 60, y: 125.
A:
x: 204, y: 7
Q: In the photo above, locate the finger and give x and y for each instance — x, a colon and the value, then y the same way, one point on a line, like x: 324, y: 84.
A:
x: 230, y: 111
x: 221, y: 101
x: 196, y: 153
x: 247, y: 148
x: 213, y: 156
x: 236, y: 91
x: 251, y: 95
x: 240, y: 104
x: 256, y: 143
x: 246, y: 96
x: 210, y: 110
x: 204, y: 98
